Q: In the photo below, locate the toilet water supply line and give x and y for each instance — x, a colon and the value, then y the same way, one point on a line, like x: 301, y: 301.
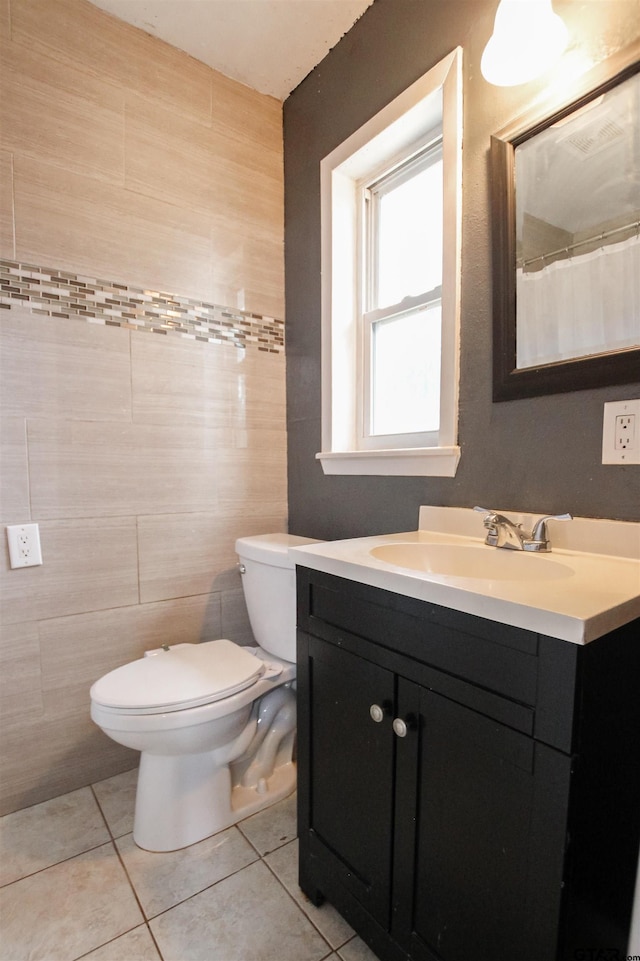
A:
x: 276, y: 719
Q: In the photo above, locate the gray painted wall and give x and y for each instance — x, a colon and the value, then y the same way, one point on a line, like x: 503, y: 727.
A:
x: 539, y: 455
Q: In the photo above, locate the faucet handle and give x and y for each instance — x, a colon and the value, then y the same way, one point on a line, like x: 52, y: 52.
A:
x: 490, y: 518
x: 489, y: 523
x: 539, y: 532
x: 494, y: 518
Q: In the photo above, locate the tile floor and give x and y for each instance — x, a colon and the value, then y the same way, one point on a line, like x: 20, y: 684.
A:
x: 74, y: 885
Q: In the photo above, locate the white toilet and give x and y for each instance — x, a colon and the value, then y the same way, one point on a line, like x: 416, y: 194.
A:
x: 215, y: 722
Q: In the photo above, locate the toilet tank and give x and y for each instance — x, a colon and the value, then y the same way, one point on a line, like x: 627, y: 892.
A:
x: 269, y: 583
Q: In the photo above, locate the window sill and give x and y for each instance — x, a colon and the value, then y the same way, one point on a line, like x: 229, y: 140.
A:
x: 409, y: 462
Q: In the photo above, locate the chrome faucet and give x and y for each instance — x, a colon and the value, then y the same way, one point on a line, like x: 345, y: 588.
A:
x: 502, y: 532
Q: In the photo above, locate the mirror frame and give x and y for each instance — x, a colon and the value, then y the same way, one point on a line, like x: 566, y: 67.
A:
x: 580, y: 373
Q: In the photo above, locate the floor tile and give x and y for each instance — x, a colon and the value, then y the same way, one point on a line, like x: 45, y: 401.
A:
x: 69, y: 909
x: 42, y: 835
x: 356, y: 950
x: 136, y: 945
x: 247, y: 917
x: 284, y: 863
x: 273, y: 827
x: 162, y: 880
x: 117, y: 799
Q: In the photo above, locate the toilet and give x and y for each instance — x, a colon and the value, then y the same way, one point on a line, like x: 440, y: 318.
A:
x: 215, y: 722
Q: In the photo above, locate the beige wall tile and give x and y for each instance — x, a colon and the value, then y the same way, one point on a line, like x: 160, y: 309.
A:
x: 251, y: 198
x: 270, y: 439
x: 252, y: 481
x: 182, y: 554
x: 52, y: 367
x: 235, y: 619
x: 146, y: 141
x: 89, y: 564
x: 7, y: 242
x: 184, y: 382
x: 89, y: 227
x: 249, y: 117
x: 248, y: 266
x: 15, y: 506
x: 203, y: 210
x: 100, y: 425
x: 74, y: 31
x: 237, y: 183
x: 50, y: 109
x: 83, y: 469
x: 227, y: 173
x: 42, y: 759
x: 20, y: 689
x: 261, y: 368
x: 5, y: 21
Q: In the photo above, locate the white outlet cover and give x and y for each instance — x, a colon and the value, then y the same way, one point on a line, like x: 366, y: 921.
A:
x: 24, y: 545
x: 611, y: 454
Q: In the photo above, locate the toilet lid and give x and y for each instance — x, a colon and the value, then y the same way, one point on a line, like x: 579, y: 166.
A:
x: 182, y: 676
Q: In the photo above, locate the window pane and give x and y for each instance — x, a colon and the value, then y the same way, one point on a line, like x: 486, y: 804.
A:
x: 405, y: 373
x: 409, y: 232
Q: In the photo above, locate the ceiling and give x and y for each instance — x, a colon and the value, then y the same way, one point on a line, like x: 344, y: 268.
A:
x: 270, y: 45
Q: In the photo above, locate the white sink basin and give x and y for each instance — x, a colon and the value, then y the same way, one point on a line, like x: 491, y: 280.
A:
x: 587, y: 586
x: 475, y: 561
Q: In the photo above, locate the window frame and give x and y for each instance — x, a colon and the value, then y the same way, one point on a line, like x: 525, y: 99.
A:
x: 405, y: 124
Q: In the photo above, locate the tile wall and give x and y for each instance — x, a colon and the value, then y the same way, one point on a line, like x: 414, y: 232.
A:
x: 142, y: 366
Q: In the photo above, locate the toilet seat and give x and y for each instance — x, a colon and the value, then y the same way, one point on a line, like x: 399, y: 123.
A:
x: 178, y: 677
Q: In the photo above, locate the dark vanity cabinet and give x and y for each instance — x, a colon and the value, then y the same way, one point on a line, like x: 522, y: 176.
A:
x: 468, y: 791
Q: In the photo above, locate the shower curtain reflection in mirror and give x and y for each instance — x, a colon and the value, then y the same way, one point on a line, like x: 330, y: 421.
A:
x: 577, y: 216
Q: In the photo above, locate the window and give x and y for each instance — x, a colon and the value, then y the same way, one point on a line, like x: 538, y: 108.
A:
x: 399, y: 313
x: 390, y: 274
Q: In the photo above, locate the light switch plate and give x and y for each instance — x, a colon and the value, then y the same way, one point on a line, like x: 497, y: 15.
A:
x: 621, y: 432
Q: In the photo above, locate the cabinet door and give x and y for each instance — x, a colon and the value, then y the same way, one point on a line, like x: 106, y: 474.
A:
x: 346, y: 768
x: 481, y: 824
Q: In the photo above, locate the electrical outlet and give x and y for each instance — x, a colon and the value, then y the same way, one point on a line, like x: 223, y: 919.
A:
x: 621, y: 432
x: 24, y: 545
x: 625, y: 432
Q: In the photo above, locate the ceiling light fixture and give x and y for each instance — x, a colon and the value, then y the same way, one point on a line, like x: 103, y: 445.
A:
x: 527, y: 37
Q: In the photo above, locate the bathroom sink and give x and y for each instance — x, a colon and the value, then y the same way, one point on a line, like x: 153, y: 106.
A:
x: 475, y: 561
x: 585, y: 588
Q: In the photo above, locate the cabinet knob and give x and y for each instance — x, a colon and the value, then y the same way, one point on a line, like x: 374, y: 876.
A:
x: 376, y: 713
x: 399, y: 727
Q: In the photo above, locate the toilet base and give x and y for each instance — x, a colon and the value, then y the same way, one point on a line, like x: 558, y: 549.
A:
x: 183, y: 798
x: 247, y: 800
x: 160, y: 825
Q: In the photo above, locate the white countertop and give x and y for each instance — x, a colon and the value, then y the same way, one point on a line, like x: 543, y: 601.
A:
x: 596, y: 593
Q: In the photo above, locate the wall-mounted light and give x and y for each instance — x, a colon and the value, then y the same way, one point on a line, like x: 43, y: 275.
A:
x: 527, y: 37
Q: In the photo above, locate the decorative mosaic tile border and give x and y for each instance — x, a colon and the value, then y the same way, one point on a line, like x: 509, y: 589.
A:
x: 57, y: 293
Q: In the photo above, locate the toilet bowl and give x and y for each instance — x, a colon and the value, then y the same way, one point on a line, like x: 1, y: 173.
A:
x: 214, y: 722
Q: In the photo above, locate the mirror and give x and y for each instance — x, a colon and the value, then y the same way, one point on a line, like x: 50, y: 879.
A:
x: 566, y: 243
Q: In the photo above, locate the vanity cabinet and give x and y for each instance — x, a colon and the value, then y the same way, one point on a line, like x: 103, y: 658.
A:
x: 467, y: 790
